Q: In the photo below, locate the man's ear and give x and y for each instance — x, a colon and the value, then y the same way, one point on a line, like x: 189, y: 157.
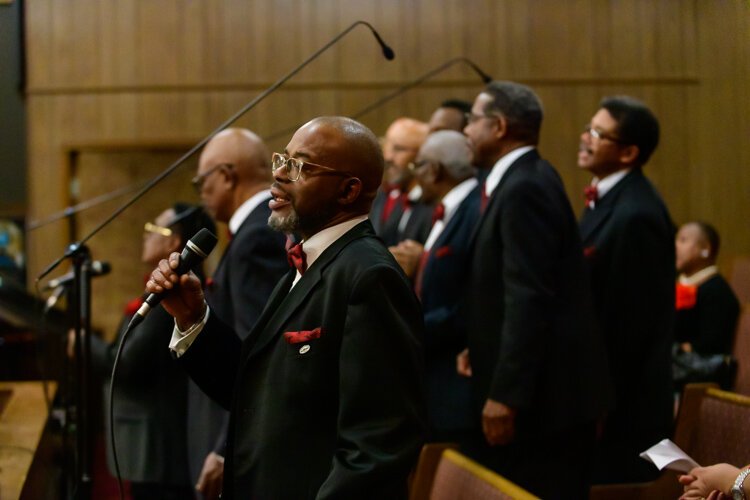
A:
x: 502, y: 127
x: 629, y: 154
x: 437, y: 170
x: 350, y: 190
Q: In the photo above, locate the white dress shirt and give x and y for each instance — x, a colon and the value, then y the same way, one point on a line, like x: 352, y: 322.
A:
x: 501, y: 166
x: 450, y: 201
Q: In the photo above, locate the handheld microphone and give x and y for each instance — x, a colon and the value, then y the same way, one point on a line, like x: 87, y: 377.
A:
x: 196, y: 249
x: 96, y: 268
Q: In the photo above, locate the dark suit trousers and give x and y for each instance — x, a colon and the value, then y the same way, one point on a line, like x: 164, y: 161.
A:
x: 556, y: 465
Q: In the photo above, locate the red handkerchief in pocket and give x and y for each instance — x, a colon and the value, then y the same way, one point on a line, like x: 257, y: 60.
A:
x: 443, y: 251
x: 302, y: 336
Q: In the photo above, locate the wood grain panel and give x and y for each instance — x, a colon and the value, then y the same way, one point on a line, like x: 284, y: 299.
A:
x: 133, y: 71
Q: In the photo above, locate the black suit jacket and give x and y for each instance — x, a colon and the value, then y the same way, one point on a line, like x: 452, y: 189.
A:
x: 418, y: 220
x: 340, y: 416
x: 710, y: 325
x: 532, y: 341
x: 250, y: 267
x: 150, y: 402
x: 629, y: 243
x: 442, y: 279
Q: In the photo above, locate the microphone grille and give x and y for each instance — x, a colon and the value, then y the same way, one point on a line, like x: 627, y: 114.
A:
x: 205, y: 240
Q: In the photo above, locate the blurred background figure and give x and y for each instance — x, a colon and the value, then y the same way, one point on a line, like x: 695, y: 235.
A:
x: 397, y: 212
x: 439, y: 268
x: 707, y: 308
x: 451, y: 115
x: 150, y: 402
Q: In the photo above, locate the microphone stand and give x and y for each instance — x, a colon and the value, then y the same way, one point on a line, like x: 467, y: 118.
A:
x: 400, y: 90
x: 80, y: 255
x: 80, y: 307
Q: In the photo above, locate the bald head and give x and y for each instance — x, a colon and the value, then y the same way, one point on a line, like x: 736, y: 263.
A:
x: 234, y: 165
x: 243, y: 149
x: 355, y: 150
x: 403, y: 139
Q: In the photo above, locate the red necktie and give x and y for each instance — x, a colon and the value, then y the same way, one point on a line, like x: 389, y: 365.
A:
x: 591, y: 194
x: 393, y: 196
x: 420, y: 274
x: 438, y: 213
x: 484, y: 199
x: 297, y: 258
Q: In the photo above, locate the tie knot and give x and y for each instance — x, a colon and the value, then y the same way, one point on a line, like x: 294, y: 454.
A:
x: 297, y: 258
x: 438, y: 213
x: 591, y: 194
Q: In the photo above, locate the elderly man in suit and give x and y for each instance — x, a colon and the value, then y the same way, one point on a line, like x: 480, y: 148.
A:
x: 628, y: 239
x: 326, y: 392
x: 444, y: 171
x: 535, y: 357
x: 232, y: 180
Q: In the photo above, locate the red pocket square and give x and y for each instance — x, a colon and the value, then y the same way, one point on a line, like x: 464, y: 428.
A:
x: 589, y: 251
x: 443, y: 251
x: 302, y: 336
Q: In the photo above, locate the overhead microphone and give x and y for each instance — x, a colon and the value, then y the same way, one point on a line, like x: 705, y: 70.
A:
x: 426, y: 76
x: 96, y: 268
x: 387, y: 53
x: 196, y: 249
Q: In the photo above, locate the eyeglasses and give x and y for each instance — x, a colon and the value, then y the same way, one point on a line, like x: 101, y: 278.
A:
x: 154, y: 229
x: 200, y: 179
x: 600, y: 136
x: 414, y: 165
x: 293, y: 167
x: 472, y: 118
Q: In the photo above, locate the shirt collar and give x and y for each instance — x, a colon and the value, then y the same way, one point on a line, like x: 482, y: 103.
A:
x: 699, y: 277
x: 501, y: 166
x: 239, y: 215
x: 603, y: 186
x: 415, y: 193
x: 321, y: 240
x: 456, y: 196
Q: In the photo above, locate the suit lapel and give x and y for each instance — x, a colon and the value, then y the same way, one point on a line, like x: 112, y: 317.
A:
x: 531, y: 156
x: 593, y: 219
x: 276, y: 314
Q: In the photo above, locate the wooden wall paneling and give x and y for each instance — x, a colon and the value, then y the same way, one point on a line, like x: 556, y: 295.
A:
x: 103, y: 170
x: 97, y: 71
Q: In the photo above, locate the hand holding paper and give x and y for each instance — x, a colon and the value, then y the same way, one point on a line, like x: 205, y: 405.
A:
x: 667, y: 455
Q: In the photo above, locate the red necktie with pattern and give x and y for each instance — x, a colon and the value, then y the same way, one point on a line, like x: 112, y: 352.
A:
x: 297, y: 258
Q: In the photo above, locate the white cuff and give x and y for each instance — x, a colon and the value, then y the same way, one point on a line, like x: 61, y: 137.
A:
x: 181, y: 341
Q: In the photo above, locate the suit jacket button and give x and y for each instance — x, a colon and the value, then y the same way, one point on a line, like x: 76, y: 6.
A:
x: 304, y: 349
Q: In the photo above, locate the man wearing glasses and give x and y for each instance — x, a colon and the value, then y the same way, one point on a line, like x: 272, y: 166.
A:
x: 535, y: 360
x: 628, y: 240
x: 232, y: 180
x: 326, y: 392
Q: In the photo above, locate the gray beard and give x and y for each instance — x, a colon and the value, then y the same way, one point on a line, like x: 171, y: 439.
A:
x: 287, y: 224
